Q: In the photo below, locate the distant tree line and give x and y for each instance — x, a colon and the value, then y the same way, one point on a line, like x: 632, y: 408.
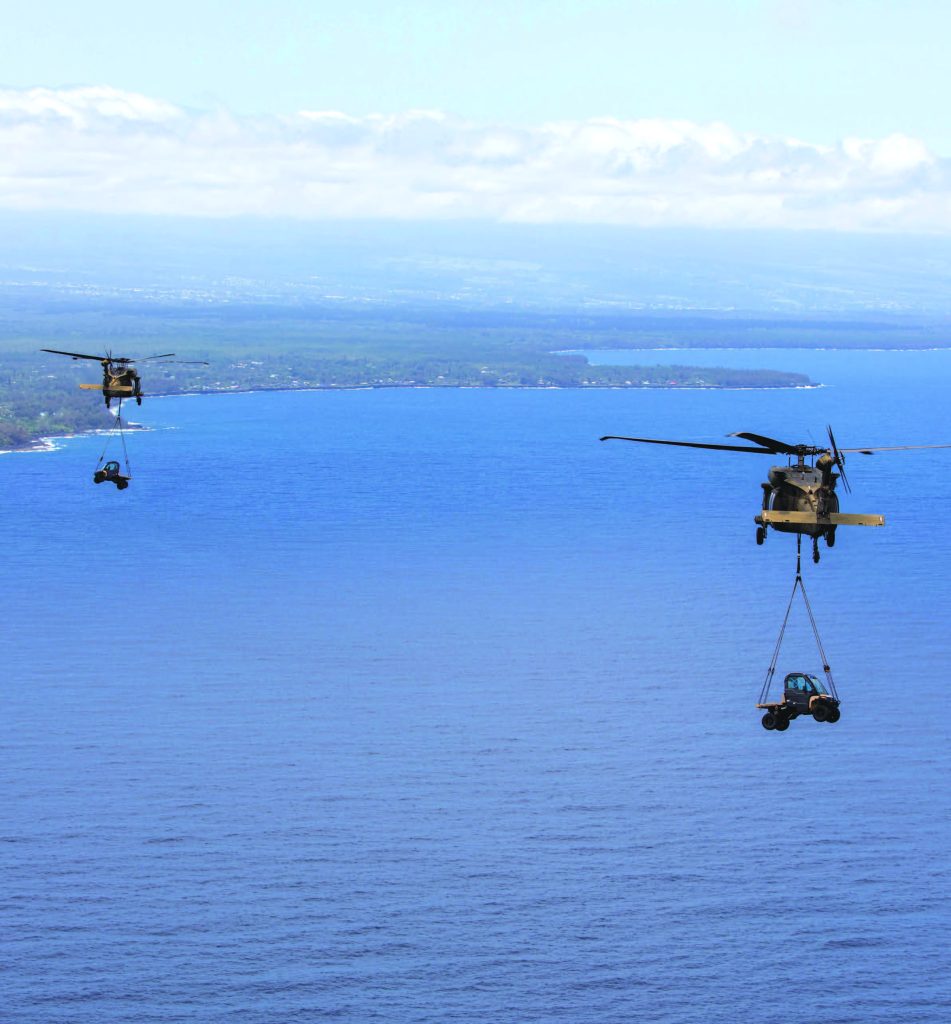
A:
x: 41, y: 401
x: 272, y: 348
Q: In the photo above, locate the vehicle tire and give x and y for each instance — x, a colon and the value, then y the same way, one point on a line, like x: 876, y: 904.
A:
x: 782, y: 723
x: 122, y: 485
x: 834, y: 715
x: 793, y: 715
x: 820, y: 713
x: 768, y: 721
x: 760, y: 535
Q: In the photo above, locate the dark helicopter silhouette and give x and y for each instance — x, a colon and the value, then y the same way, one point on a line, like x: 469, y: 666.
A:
x: 120, y: 379
x: 799, y: 497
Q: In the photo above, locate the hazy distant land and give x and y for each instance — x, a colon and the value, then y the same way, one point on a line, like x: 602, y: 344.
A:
x: 253, y: 346
x: 280, y: 306
x: 39, y: 396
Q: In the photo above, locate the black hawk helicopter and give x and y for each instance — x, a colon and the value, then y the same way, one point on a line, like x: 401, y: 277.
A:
x: 799, y: 497
x: 120, y: 379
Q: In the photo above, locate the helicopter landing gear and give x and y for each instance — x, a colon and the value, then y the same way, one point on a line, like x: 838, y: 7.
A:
x: 760, y: 534
x: 815, y: 550
x: 830, y: 538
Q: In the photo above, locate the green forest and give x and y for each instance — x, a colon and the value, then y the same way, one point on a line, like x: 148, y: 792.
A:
x: 277, y: 349
x: 42, y: 400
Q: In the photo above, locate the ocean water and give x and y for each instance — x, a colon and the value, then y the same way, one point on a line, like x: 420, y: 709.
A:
x: 424, y: 706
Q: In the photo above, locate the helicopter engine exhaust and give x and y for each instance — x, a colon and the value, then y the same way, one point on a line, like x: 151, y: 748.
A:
x: 825, y: 464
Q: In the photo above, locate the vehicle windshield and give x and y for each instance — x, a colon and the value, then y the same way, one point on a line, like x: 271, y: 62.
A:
x: 803, y: 683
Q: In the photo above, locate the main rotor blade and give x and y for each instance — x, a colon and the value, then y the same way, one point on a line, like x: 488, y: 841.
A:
x: 894, y: 448
x: 776, y: 447
x: 164, y: 355
x: 691, y: 444
x: 75, y: 355
x: 185, y: 362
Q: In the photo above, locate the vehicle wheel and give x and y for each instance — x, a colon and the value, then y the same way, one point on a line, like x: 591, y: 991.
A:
x: 768, y: 721
x: 122, y: 485
x: 820, y: 713
x: 782, y: 723
x: 793, y: 715
x: 833, y: 716
x: 760, y: 535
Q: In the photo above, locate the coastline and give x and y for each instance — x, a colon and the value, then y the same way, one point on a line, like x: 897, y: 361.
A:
x: 47, y: 443
x: 491, y: 387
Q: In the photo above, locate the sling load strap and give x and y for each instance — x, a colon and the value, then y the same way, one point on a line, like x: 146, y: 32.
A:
x: 125, y: 451
x: 822, y: 654
x: 128, y: 468
x: 767, y: 682
x: 797, y: 585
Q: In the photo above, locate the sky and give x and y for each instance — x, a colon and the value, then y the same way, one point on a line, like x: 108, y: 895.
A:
x: 741, y: 113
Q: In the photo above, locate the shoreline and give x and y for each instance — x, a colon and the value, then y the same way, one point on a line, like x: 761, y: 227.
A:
x: 492, y: 387
x: 755, y: 348
x: 46, y: 443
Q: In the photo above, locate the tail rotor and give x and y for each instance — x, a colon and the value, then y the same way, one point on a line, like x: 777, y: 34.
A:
x: 839, y: 460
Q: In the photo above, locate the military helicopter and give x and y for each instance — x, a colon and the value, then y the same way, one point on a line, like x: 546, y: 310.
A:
x: 120, y: 379
x: 799, y: 497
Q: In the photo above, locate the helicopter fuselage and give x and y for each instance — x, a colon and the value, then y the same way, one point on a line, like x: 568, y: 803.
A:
x: 117, y: 382
x: 120, y: 382
x: 802, y: 488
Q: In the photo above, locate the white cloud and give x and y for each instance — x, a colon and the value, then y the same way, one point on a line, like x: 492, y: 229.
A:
x: 83, y: 108
x: 101, y: 149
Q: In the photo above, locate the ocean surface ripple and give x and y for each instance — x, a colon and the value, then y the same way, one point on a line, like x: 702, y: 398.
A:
x: 425, y: 707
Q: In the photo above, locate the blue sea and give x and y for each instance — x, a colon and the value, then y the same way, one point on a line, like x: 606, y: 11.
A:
x: 425, y: 706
